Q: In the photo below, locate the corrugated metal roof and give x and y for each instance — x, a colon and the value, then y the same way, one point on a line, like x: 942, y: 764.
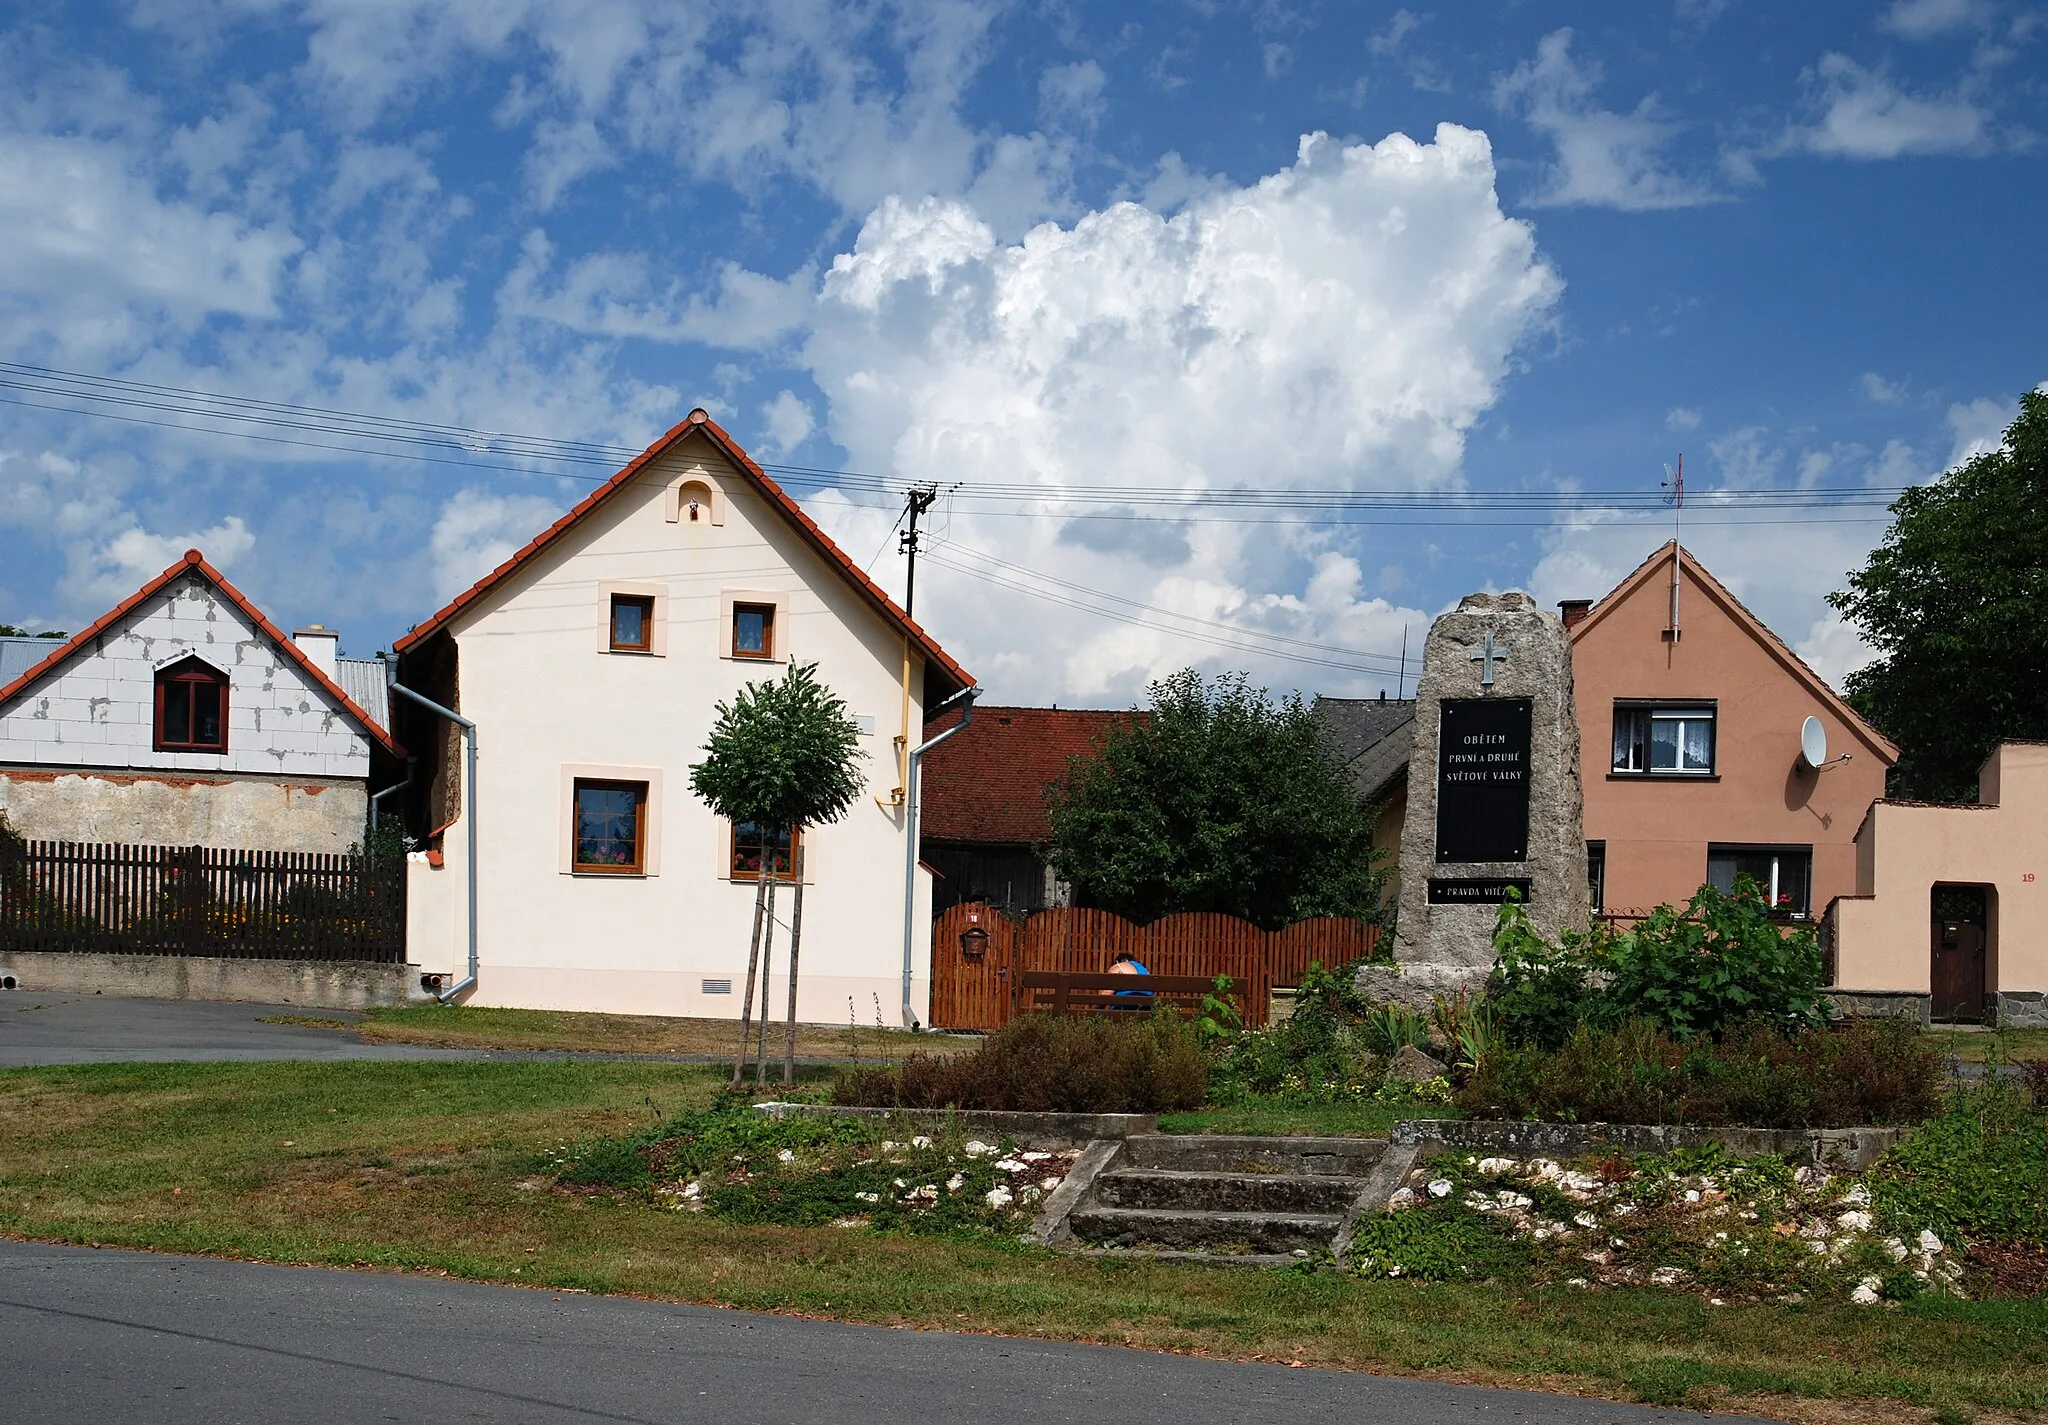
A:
x: 18, y: 655
x: 364, y: 681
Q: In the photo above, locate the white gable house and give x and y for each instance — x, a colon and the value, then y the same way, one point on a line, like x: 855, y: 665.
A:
x: 184, y: 717
x: 591, y: 664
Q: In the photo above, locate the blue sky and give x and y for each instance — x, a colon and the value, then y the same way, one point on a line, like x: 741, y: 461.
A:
x: 1103, y: 257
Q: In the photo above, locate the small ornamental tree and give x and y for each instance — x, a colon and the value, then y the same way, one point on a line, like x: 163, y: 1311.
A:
x: 1219, y: 799
x: 782, y: 755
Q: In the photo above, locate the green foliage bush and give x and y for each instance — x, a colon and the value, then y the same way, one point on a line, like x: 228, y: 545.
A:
x: 1329, y: 1051
x: 1084, y: 1063
x: 1219, y: 799
x: 1977, y: 1171
x: 1449, y: 1243
x: 1718, y: 962
x: 1868, y: 1072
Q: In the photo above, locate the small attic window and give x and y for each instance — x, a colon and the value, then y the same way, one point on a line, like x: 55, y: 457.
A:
x: 191, y: 707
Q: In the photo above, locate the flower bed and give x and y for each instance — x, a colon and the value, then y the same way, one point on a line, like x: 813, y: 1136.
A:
x: 809, y: 1172
x: 1701, y: 1219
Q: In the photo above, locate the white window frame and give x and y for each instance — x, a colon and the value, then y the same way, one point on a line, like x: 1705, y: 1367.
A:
x: 1683, y: 714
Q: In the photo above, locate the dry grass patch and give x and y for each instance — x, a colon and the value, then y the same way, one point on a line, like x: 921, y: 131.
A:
x: 474, y: 1027
x: 432, y: 1166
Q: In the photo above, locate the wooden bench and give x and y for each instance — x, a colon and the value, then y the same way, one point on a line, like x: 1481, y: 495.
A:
x: 1072, y: 993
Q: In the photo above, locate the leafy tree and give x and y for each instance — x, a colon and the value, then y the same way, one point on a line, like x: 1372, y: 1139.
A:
x: 1220, y: 799
x: 782, y: 755
x: 8, y: 630
x: 1952, y: 601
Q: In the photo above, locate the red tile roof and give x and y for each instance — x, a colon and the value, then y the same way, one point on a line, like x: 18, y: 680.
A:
x: 699, y: 422
x: 196, y: 562
x: 987, y: 784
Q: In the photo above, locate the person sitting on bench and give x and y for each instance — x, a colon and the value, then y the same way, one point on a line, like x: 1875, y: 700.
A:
x: 1126, y: 963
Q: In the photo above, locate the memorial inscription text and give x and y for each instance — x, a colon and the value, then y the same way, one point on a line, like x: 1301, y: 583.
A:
x: 1482, y: 780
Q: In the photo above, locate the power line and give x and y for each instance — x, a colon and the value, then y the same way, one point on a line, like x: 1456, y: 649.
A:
x: 1250, y: 642
x: 431, y: 443
x: 1320, y: 649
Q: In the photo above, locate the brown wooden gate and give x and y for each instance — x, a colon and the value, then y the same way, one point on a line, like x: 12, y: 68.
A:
x: 980, y: 991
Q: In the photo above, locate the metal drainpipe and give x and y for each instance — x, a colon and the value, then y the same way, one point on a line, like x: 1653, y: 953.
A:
x: 910, y: 788
x: 395, y: 787
x: 469, y: 815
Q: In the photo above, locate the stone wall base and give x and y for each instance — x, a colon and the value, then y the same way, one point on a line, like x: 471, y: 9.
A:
x: 2022, y: 1009
x: 1043, y: 1130
x: 1880, y: 1004
x: 323, y: 984
x: 1850, y: 1149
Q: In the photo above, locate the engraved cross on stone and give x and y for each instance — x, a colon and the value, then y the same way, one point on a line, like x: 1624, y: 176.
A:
x: 1486, y: 655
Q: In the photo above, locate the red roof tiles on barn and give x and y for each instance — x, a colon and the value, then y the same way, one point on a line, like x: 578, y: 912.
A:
x: 987, y: 784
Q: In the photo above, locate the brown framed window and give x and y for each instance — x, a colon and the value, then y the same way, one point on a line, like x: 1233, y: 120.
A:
x: 632, y: 623
x: 611, y: 827
x: 749, y: 847
x: 191, y: 708
x: 753, y: 630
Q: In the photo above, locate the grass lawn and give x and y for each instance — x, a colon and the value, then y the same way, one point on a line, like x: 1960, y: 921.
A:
x: 468, y: 1027
x: 429, y: 1166
x: 1971, y: 1045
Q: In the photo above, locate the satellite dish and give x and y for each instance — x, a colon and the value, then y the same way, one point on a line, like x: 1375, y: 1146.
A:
x: 1813, y: 743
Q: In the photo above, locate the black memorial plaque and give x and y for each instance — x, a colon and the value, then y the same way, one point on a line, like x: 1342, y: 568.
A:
x: 1478, y: 890
x: 1482, y: 780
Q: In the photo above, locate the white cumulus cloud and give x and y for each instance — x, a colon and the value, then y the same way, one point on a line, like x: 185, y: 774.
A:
x: 477, y: 531
x: 1605, y: 159
x: 1339, y: 324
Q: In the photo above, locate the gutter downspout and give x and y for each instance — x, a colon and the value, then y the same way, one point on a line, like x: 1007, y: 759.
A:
x: 398, y: 786
x: 910, y: 790
x: 469, y: 814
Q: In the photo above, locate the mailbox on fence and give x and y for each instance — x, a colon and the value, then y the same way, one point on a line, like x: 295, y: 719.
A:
x: 974, y: 942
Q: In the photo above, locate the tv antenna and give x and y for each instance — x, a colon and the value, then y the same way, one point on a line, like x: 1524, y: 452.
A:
x: 1674, y: 496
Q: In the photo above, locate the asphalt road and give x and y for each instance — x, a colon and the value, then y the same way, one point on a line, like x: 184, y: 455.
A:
x: 100, y: 1029
x: 106, y: 1337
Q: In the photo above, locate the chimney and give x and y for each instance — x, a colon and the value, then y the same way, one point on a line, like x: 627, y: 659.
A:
x: 1574, y: 611
x: 321, y: 645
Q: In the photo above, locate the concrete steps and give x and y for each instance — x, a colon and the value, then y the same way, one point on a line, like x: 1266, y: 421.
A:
x: 1227, y: 1200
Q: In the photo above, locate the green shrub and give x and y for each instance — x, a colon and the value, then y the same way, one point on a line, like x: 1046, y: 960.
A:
x: 1978, y: 1171
x: 1326, y: 1052
x: 1719, y: 962
x: 1450, y: 1242
x: 1087, y: 1063
x: 1868, y: 1072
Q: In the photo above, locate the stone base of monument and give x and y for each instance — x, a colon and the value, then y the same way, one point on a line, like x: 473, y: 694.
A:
x: 1417, y: 984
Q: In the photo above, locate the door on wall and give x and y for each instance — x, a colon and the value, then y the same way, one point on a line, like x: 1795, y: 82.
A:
x: 1957, y: 970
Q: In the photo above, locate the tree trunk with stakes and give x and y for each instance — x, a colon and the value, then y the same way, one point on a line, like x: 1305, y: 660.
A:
x: 767, y: 959
x: 739, y: 1059
x: 796, y: 941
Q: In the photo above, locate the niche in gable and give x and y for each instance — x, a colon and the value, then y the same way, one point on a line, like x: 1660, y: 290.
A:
x: 691, y: 500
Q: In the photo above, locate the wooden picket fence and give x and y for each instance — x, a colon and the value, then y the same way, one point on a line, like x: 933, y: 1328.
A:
x: 120, y: 899
x: 982, y: 992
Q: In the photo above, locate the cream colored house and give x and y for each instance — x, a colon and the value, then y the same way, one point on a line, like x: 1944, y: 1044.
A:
x: 591, y: 663
x: 1951, y: 903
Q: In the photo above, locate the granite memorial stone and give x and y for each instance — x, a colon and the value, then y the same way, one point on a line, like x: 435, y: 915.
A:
x: 1495, y: 802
